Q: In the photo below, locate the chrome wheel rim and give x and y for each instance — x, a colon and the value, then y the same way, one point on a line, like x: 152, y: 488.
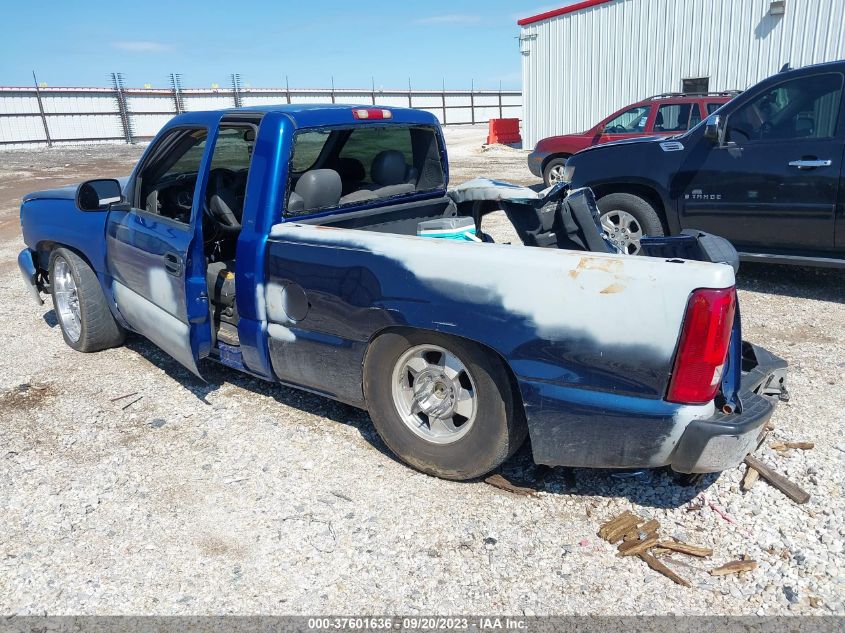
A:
x: 555, y: 174
x: 67, y: 299
x: 434, y: 394
x: 624, y: 230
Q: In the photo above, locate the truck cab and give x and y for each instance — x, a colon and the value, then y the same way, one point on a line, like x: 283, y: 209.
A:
x: 764, y: 171
x: 183, y: 254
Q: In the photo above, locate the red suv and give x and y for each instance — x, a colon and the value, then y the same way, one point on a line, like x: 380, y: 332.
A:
x: 661, y: 115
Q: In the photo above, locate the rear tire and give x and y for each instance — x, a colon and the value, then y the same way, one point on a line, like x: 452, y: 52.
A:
x: 81, y: 309
x: 396, y: 373
x: 627, y: 218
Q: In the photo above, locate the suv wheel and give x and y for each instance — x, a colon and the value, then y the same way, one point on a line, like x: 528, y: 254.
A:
x: 553, y: 171
x: 626, y: 218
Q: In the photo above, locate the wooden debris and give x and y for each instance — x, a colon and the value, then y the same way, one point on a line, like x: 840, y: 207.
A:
x: 749, y: 479
x: 497, y: 481
x: 685, y: 548
x: 616, y: 535
x: 764, y: 433
x: 126, y: 406
x: 790, y: 489
x: 646, y: 528
x: 605, y: 529
x: 632, y: 548
x: 785, y: 446
x: 127, y: 395
x: 734, y: 567
x: 660, y: 568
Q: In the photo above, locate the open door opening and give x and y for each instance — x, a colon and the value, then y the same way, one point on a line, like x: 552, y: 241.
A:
x: 155, y: 257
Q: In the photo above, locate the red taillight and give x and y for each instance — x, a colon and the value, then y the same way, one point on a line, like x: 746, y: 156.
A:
x: 701, y: 354
x: 371, y: 113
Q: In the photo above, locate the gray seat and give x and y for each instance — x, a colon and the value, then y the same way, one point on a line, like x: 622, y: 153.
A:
x: 391, y: 176
x: 315, y: 189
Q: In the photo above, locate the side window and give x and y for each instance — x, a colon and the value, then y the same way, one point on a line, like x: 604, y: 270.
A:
x: 712, y: 107
x: 189, y: 163
x: 673, y: 117
x: 631, y: 121
x: 233, y: 149
x: 166, y: 183
x: 807, y: 107
x: 361, y: 165
x: 695, y: 115
x: 226, y: 188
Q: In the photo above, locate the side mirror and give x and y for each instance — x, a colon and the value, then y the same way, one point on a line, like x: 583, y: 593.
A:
x: 713, y: 129
x: 98, y: 195
x: 600, y: 129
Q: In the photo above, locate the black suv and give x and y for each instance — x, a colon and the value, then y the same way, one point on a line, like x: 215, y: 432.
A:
x: 765, y: 171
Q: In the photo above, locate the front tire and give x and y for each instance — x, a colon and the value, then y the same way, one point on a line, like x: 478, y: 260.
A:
x: 553, y: 171
x: 444, y: 406
x: 626, y: 219
x: 84, y: 317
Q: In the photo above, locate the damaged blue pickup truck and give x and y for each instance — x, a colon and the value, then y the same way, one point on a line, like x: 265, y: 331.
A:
x: 304, y: 245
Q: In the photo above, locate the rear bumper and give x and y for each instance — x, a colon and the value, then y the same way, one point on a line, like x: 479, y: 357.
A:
x: 30, y: 274
x: 535, y: 163
x: 572, y: 426
x: 723, y: 441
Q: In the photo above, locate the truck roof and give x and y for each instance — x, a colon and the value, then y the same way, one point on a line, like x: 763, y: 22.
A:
x: 317, y: 114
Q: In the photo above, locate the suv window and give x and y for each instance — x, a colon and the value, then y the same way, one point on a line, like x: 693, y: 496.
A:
x: 673, y: 117
x: 807, y: 107
x: 712, y: 107
x: 632, y: 121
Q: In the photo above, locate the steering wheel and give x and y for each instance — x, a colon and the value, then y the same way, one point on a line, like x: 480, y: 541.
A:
x: 224, y: 200
x: 738, y: 130
x: 766, y: 129
x: 617, y: 129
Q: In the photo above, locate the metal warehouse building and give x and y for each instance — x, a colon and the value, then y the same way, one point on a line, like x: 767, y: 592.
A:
x: 584, y: 61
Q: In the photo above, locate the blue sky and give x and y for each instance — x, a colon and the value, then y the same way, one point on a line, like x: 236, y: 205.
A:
x: 80, y: 43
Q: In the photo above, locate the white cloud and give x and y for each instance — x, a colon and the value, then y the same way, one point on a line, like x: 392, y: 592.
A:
x: 138, y: 46
x: 450, y: 18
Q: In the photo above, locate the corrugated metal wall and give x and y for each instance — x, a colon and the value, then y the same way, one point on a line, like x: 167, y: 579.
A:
x: 74, y: 115
x: 580, y: 67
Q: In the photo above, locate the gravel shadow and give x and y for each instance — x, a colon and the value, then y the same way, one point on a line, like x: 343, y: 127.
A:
x: 648, y: 487
x: 217, y: 376
x: 823, y: 284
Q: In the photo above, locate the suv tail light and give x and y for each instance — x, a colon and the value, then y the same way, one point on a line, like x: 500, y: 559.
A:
x: 706, y: 333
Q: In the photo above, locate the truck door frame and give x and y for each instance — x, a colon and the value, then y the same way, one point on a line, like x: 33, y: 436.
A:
x: 156, y: 265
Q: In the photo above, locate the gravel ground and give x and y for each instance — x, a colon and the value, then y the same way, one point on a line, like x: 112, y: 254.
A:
x: 237, y: 496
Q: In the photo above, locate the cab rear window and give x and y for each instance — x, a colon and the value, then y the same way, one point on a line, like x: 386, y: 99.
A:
x: 363, y: 164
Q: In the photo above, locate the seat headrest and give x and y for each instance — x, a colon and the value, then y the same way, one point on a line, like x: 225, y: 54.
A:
x: 351, y: 170
x: 319, y: 188
x: 389, y: 168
